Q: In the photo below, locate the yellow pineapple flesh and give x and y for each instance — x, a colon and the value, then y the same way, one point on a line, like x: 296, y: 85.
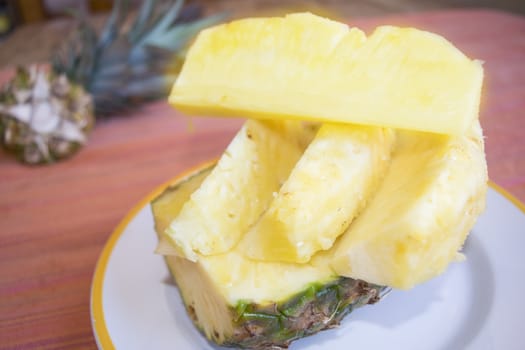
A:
x: 239, y: 302
x: 347, y: 162
x: 289, y: 232
x: 306, y: 67
x: 421, y: 214
x: 239, y: 189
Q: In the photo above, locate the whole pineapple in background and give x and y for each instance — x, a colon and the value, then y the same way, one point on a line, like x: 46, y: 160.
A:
x: 132, y: 60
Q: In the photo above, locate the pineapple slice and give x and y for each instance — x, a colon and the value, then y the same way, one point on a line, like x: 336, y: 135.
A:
x: 421, y: 214
x: 328, y: 187
x: 239, y: 189
x: 306, y: 67
x: 237, y: 302
x: 310, y: 68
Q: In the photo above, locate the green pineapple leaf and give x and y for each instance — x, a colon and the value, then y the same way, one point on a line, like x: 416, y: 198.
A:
x: 112, y: 28
x: 142, y: 20
x: 123, y: 67
x: 164, y: 23
x: 177, y: 37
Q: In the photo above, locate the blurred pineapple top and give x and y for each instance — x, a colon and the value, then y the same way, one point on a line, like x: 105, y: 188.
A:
x: 34, y: 43
x: 134, y: 58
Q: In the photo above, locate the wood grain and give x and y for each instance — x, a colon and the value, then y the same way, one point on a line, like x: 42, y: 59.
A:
x: 55, y: 219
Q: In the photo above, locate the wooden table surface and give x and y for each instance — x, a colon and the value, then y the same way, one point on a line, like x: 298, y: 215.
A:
x: 55, y: 219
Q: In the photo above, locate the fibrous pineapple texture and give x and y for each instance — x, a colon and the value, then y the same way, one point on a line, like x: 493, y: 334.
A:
x: 420, y: 216
x: 411, y: 227
x: 240, y: 187
x: 238, y: 302
x: 347, y: 162
x: 321, y: 222
x: 306, y: 67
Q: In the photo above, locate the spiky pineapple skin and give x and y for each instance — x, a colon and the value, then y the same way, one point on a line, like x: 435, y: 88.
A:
x: 317, y: 308
x: 43, y: 117
x: 272, y: 325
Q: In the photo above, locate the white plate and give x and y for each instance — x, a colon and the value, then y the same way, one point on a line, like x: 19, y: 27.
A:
x: 477, y: 304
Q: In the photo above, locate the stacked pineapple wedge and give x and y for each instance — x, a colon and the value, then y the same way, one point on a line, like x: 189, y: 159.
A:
x: 299, y: 222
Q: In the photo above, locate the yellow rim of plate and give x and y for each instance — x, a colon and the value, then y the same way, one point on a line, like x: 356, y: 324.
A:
x: 98, y: 320
x: 97, y: 312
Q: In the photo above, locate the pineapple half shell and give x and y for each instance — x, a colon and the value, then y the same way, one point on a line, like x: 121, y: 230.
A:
x: 43, y: 116
x: 274, y: 324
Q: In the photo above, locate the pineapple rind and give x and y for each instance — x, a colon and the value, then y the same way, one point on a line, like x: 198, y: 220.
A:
x: 305, y: 310
x: 348, y: 162
x: 239, y: 188
x: 421, y: 214
x: 317, y: 307
x: 306, y: 67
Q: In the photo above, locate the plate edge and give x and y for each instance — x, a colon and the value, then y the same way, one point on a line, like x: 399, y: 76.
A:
x: 509, y: 196
x: 98, y: 322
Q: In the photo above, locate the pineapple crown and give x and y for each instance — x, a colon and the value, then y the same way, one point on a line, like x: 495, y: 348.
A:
x: 124, y: 65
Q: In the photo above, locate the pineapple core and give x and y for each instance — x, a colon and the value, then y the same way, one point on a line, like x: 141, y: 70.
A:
x: 307, y: 67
